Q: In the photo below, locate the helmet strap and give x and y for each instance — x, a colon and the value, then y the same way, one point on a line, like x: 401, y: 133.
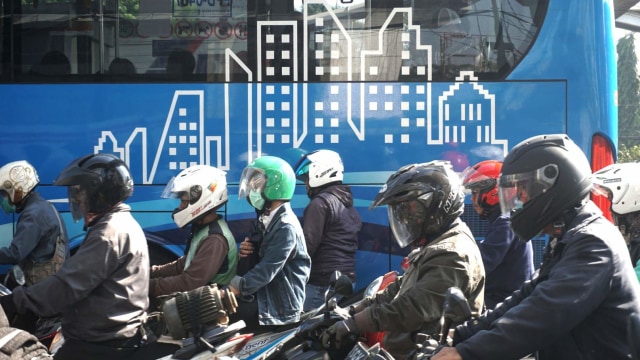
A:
x: 557, y: 229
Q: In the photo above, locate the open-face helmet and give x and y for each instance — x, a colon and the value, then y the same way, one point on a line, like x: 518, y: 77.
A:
x: 200, y: 188
x: 96, y: 183
x: 542, y: 178
x: 620, y: 183
x: 266, y: 179
x: 17, y: 180
x: 481, y: 180
x: 321, y: 167
x: 422, y: 199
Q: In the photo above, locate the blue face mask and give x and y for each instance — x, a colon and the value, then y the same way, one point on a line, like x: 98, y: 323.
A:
x: 256, y: 200
x: 6, y: 207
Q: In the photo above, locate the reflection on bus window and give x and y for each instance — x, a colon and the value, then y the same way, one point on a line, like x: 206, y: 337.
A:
x: 290, y: 41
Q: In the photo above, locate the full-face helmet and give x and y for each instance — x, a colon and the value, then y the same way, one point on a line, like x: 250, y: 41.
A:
x: 321, y: 167
x: 620, y: 183
x: 542, y: 178
x: 17, y: 180
x: 423, y: 200
x: 200, y: 188
x: 481, y: 180
x: 96, y: 183
x: 266, y: 179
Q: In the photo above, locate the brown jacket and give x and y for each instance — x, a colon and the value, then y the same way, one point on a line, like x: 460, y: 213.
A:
x: 172, y: 277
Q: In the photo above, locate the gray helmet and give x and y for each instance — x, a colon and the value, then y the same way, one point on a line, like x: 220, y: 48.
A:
x: 423, y: 200
x: 542, y: 177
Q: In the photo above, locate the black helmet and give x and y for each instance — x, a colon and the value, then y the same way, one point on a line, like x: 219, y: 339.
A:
x: 423, y: 200
x: 542, y: 178
x: 96, y: 183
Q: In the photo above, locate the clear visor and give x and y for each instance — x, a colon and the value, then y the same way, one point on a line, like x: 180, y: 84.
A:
x: 515, y: 190
x: 77, y: 201
x: 407, y: 219
x: 169, y: 192
x: 599, y: 190
x: 252, y: 179
x: 473, y: 180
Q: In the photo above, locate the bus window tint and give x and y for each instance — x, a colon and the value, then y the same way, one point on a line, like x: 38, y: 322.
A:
x: 60, y: 41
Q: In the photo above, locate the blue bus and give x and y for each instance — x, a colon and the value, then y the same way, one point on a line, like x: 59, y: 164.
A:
x: 165, y: 84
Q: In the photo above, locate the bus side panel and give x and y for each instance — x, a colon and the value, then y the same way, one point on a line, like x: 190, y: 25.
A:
x: 377, y: 127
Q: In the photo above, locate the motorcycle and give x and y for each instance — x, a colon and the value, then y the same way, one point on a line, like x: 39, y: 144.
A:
x: 307, y: 339
x: 301, y: 342
x: 45, y: 329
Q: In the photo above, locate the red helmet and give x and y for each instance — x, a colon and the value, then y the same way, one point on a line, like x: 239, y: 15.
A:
x: 483, y: 178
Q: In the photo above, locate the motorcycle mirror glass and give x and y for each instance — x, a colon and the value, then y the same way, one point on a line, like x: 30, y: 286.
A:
x: 344, y: 286
x: 18, y: 275
x: 456, y: 307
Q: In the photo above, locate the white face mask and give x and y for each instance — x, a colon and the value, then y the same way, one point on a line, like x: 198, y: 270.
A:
x: 256, y: 200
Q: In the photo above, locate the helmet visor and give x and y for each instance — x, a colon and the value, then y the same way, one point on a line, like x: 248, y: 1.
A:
x: 302, y: 171
x: 252, y: 179
x: 77, y: 201
x: 474, y: 180
x: 168, y: 192
x: 407, y: 219
x: 515, y: 190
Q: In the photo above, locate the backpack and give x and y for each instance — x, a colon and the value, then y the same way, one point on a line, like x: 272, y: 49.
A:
x: 19, y: 344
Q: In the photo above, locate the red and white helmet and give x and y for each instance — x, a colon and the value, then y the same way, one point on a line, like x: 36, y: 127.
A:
x: 205, y: 187
x: 18, y: 179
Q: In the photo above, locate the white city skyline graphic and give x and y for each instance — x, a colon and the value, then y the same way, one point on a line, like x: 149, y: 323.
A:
x: 274, y: 119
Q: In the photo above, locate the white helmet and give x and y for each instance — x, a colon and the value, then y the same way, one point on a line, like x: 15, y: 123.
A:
x: 321, y: 166
x: 620, y: 183
x: 17, y: 179
x: 205, y: 187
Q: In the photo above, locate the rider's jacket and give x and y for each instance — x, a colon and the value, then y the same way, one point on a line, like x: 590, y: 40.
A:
x: 508, y: 262
x: 102, y: 290
x: 576, y: 308
x: 211, y: 257
x: 38, y: 230
x: 331, y: 225
x: 279, y: 277
x: 413, y: 304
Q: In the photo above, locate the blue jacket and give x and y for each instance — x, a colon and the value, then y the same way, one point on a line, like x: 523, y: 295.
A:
x: 36, y: 233
x: 508, y: 262
x: 576, y: 308
x: 279, y: 277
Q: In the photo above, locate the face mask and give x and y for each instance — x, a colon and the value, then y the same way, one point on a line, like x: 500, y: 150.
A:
x: 6, y: 207
x: 256, y: 200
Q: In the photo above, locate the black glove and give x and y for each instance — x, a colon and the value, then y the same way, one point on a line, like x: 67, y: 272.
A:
x: 337, y: 332
x: 9, y: 308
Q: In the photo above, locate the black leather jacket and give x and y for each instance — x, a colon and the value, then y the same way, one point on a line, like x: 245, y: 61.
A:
x: 576, y: 308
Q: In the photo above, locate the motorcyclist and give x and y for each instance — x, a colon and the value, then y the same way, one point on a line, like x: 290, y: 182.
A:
x: 271, y: 294
x: 211, y: 252
x: 330, y: 222
x: 585, y: 290
x: 424, y: 202
x: 508, y: 262
x: 40, y: 243
x: 102, y: 291
x: 620, y: 183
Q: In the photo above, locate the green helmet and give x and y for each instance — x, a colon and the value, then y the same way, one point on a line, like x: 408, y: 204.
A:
x: 272, y: 175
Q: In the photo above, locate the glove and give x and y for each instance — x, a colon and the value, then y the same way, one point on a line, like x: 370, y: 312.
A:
x: 335, y: 333
x: 9, y: 308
